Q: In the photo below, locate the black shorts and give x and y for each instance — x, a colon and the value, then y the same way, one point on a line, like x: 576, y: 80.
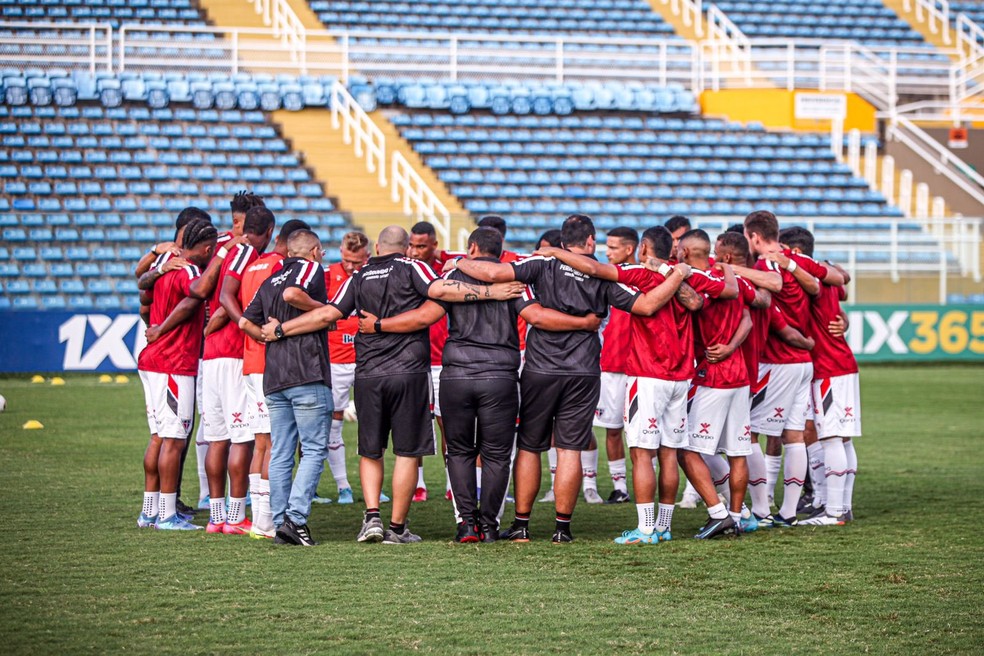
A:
x: 400, y: 404
x: 560, y: 405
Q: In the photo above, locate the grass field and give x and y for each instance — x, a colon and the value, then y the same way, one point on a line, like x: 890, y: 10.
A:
x: 77, y: 576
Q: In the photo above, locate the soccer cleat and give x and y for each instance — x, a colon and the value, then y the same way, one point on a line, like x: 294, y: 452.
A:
x: 716, y: 528
x: 176, y: 523
x: 466, y: 533
x: 778, y: 521
x: 215, y: 528
x: 591, y: 496
x: 548, y: 497
x: 317, y: 498
x: 635, y: 536
x: 805, y: 505
x: 749, y: 524
x: 260, y: 534
x: 848, y: 515
x: 420, y: 494
x: 383, y: 498
x: 296, y: 534
x: 488, y: 534
x: 184, y: 509
x: 371, y: 531
x: 617, y: 496
x: 689, y: 500
x: 205, y: 503
x: 765, y: 522
x: 561, y: 536
x: 242, y: 528
x: 345, y: 496
x: 406, y: 537
x: 143, y: 521
x: 823, y: 520
x: 516, y: 534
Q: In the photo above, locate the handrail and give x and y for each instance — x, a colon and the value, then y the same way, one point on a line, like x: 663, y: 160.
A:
x: 418, y: 199
x: 357, y: 126
x: 724, y: 35
x: 691, y: 11
x: 99, y: 51
x: 937, y: 14
x: 969, y: 36
x: 286, y: 25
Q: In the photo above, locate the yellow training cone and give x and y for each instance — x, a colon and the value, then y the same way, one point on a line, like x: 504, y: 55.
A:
x: 122, y: 380
x: 105, y: 378
x: 57, y: 380
x: 37, y: 379
x: 33, y: 424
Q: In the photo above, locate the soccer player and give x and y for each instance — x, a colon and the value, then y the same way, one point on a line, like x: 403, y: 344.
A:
x: 168, y: 249
x: 677, y: 225
x: 297, y: 386
x: 167, y: 369
x: 240, y: 205
x: 224, y: 386
x: 392, y: 386
x: 254, y: 354
x: 549, y: 238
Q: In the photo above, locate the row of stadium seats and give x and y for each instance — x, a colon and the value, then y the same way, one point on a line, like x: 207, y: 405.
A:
x: 91, y: 224
x: 114, y: 12
x: 174, y: 203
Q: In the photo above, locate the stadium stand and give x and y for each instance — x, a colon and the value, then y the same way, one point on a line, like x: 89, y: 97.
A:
x: 973, y: 8
x: 114, y: 12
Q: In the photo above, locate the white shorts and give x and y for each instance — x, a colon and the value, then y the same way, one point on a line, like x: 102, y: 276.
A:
x: 656, y: 413
x: 342, y: 378
x: 256, y: 407
x: 170, y: 404
x: 224, y: 401
x: 611, y: 404
x: 719, y: 423
x: 199, y: 401
x: 837, y: 406
x: 781, y: 398
x: 436, y: 390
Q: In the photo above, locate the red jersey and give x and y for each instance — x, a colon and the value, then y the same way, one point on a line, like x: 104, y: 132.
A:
x: 615, y: 342
x: 439, y: 329
x: 717, y: 323
x: 228, y: 341
x: 751, y: 348
x: 254, y: 353
x: 177, y: 351
x: 341, y: 341
x: 794, y: 303
x: 831, y: 355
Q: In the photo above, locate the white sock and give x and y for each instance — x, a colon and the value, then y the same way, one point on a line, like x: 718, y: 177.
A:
x: 756, y: 482
x: 647, y: 517
x: 237, y: 510
x: 169, y: 502
x: 720, y: 474
x: 817, y: 473
x: 793, y: 477
x: 717, y: 511
x: 617, y: 470
x: 254, y: 493
x: 835, y: 457
x: 665, y: 517
x: 151, y: 504
x: 552, y: 459
x: 420, y: 477
x: 589, y: 469
x: 736, y: 516
x: 216, y: 511
x: 772, y: 466
x: 852, y: 472
x: 336, y: 454
x: 201, y: 450
x: 478, y: 477
x: 262, y: 515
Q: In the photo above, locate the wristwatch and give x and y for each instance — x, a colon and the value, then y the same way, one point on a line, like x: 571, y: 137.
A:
x: 378, y: 326
x: 278, y: 332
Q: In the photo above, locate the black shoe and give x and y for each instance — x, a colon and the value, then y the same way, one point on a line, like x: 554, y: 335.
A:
x: 816, y: 512
x: 562, y: 536
x: 467, y: 533
x: 296, y: 534
x: 617, y: 496
x: 488, y: 534
x: 716, y: 528
x: 805, y: 505
x: 183, y: 508
x: 516, y: 534
x: 778, y: 521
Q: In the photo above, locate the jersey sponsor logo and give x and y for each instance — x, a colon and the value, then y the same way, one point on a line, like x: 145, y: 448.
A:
x: 348, y: 339
x: 91, y: 339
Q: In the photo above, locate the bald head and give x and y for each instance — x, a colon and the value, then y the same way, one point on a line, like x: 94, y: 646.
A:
x: 694, y: 248
x: 304, y: 243
x: 392, y: 239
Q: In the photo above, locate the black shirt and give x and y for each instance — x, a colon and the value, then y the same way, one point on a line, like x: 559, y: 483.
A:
x: 385, y: 287
x: 299, y: 359
x: 483, y: 340
x: 560, y: 287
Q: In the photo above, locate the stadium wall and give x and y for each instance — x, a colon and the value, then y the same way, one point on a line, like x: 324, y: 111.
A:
x: 776, y: 108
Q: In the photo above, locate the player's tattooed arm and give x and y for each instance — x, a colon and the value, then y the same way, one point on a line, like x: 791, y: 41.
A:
x: 309, y: 322
x: 181, y: 313
x: 551, y: 320
x: 487, y: 271
x: 768, y: 280
x: 689, y: 298
x: 649, y: 303
x: 149, y: 278
x: 410, y: 321
x: 148, y: 259
x: 720, y: 352
x: 586, y: 265
x: 458, y: 291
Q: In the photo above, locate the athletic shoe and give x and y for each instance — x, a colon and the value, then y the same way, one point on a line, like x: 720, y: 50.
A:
x: 406, y: 537
x: 765, y: 522
x: 184, y: 509
x: 185, y: 516
x: 510, y: 498
x: 848, y: 515
x: 317, y: 498
x: 817, y: 512
x: 561, y: 536
x: 383, y: 498
x: 663, y: 536
x: 420, y: 494
x: 591, y: 496
x: 635, y: 536
x: 805, y: 505
x: 823, y: 520
x: 371, y: 531
x: 296, y: 534
x: 617, y: 496
x: 516, y: 534
x: 488, y: 534
x: 690, y: 500
x: 749, y: 524
x: 778, y: 521
x: 467, y: 533
x: 548, y: 497
x: 143, y: 521
x: 205, y: 503
x: 242, y: 528
x: 176, y: 523
x: 260, y: 534
x: 345, y: 496
x: 448, y: 496
x: 715, y: 528
x: 215, y: 528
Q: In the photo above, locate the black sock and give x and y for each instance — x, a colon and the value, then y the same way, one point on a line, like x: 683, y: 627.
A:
x: 522, y: 520
x: 397, y: 528
x: 563, y: 522
x: 372, y: 513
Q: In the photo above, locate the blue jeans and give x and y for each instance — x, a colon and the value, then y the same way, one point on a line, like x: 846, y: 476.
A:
x: 297, y: 414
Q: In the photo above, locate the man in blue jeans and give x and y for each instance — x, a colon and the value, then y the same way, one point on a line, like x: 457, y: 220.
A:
x: 297, y: 385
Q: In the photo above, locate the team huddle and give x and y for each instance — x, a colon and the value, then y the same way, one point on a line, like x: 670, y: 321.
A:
x: 693, y: 357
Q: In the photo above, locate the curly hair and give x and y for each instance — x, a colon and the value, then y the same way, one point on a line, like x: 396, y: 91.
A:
x: 244, y: 201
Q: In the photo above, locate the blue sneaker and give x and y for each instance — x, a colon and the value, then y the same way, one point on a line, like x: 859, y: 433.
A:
x: 664, y: 536
x: 345, y: 496
x: 143, y: 521
x: 176, y: 523
x: 320, y: 499
x: 205, y: 504
x: 635, y: 536
x: 749, y: 524
x: 383, y: 498
x: 764, y: 522
x: 778, y: 521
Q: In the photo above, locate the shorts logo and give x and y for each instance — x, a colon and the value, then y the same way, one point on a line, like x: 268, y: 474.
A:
x: 652, y: 424
x: 186, y: 424
x: 848, y: 412
x: 748, y: 432
x: 779, y: 412
x: 237, y: 418
x: 259, y: 408
x: 599, y: 412
x: 705, y: 428
x: 683, y: 427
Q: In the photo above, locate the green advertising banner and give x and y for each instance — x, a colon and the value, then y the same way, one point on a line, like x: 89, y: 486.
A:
x: 897, y: 333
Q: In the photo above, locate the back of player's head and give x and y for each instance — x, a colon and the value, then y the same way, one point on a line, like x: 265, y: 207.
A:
x: 630, y: 235
x: 189, y: 214
x: 259, y: 220
x: 660, y: 240
x: 287, y: 229
x: 354, y: 241
x: 392, y: 239
x: 487, y: 240
x: 244, y: 201
x: 302, y: 242
x: 676, y: 222
x: 576, y: 231
x: 797, y: 237
x: 495, y: 222
x: 764, y: 224
x: 551, y: 237
x: 735, y: 242
x: 197, y: 232
x: 737, y: 227
x: 423, y: 228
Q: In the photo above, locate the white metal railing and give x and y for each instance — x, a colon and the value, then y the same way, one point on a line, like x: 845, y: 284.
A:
x: 286, y: 25
x: 690, y: 11
x: 934, y: 12
x: 370, y: 142
x: 73, y: 45
x: 728, y: 46
x: 418, y: 199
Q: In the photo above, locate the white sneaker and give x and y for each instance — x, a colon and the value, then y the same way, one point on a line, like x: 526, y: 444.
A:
x: 548, y: 497
x: 689, y: 500
x: 591, y: 495
x: 822, y: 520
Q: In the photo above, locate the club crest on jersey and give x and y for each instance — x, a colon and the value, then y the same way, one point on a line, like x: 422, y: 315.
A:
x: 186, y: 425
x: 599, y: 412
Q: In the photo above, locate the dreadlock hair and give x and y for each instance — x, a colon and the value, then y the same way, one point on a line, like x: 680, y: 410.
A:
x: 198, y: 231
x: 244, y: 201
x: 187, y: 215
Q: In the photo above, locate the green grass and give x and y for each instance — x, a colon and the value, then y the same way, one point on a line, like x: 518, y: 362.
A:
x: 76, y: 575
